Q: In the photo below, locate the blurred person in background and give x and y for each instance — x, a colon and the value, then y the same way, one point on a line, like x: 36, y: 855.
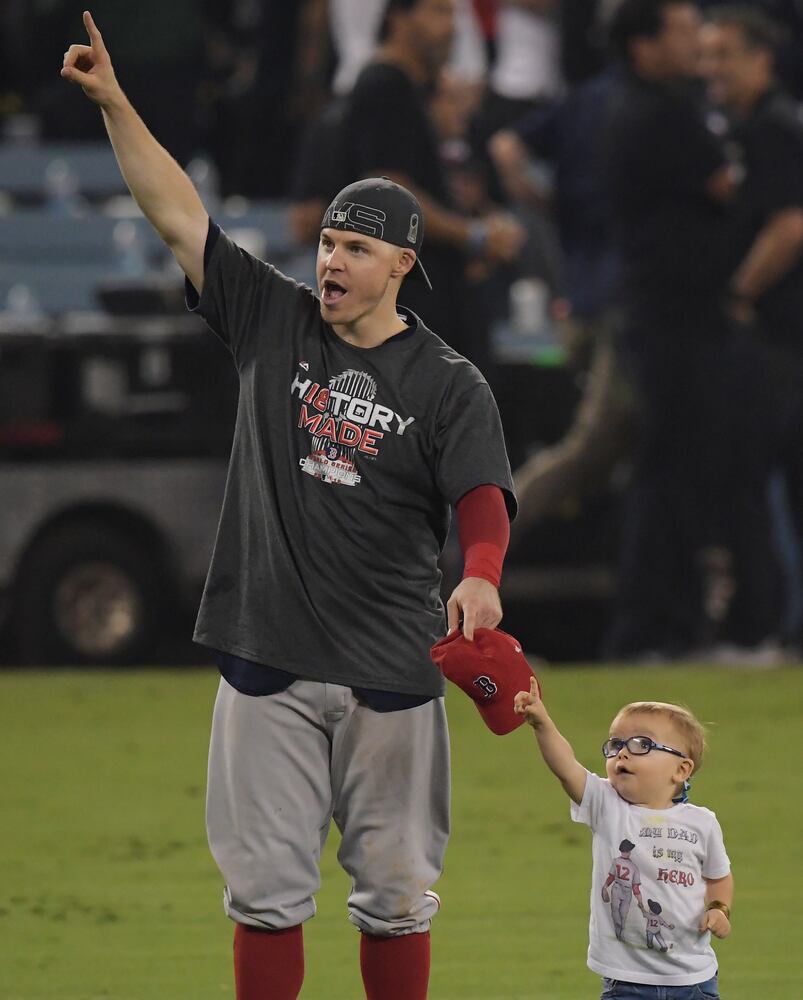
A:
x: 584, y: 37
x: 787, y: 16
x: 768, y: 128
x: 472, y: 189
x: 766, y: 290
x: 355, y: 26
x: 23, y: 63
x: 569, y: 137
x: 389, y: 130
x: 162, y: 68
x: 669, y: 182
x: 526, y: 68
x: 268, y: 74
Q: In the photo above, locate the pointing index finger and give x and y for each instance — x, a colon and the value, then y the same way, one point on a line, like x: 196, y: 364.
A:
x: 92, y: 30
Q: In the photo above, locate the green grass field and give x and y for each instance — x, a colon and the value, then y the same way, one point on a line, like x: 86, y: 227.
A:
x: 107, y: 889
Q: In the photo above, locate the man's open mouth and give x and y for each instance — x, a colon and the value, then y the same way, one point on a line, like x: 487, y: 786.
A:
x: 332, y: 292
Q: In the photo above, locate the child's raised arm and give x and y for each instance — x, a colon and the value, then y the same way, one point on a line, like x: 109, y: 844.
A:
x: 555, y: 749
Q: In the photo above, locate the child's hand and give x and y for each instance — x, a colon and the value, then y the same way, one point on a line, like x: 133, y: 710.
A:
x: 529, y: 704
x: 716, y: 922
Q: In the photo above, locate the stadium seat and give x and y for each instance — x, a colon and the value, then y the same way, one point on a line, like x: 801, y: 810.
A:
x: 56, y: 288
x: 269, y: 221
x: 36, y: 236
x: 62, y: 258
x: 30, y: 173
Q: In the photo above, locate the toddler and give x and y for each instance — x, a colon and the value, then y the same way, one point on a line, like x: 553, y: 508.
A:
x: 650, y: 847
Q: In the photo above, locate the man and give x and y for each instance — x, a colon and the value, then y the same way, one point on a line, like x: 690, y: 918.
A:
x: 623, y: 882
x: 570, y: 137
x: 767, y: 287
x: 356, y: 428
x: 768, y: 128
x: 787, y: 19
x: 526, y: 69
x: 388, y: 131
x: 669, y: 178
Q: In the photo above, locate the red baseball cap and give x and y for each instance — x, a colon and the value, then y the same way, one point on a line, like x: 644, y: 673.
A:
x: 491, y: 670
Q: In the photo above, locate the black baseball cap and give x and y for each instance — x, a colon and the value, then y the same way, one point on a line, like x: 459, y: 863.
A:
x: 379, y: 207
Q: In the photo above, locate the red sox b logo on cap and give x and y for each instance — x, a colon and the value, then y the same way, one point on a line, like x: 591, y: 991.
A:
x: 491, y: 669
x: 486, y: 685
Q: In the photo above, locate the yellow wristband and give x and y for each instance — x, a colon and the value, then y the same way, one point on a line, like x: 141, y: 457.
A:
x: 716, y: 904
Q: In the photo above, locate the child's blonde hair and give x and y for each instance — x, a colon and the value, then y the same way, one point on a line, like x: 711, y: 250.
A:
x: 688, y: 724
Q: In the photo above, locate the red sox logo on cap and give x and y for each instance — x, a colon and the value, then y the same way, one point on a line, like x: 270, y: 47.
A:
x: 491, y: 670
x: 485, y: 684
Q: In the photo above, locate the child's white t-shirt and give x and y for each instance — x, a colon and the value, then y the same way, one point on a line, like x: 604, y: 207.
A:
x: 674, y: 850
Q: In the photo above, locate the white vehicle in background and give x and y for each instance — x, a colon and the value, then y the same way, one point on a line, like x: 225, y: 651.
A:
x: 114, y: 441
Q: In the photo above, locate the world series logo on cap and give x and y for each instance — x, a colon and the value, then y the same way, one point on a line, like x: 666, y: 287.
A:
x: 486, y: 685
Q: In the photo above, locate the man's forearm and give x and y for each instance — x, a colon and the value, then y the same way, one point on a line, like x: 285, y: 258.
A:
x: 159, y: 186
x: 774, y: 252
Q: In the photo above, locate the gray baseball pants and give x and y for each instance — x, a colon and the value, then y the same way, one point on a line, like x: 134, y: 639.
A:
x: 620, y: 904
x: 282, y: 766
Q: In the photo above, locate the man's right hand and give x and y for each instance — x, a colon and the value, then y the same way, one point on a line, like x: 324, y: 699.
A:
x: 505, y: 237
x: 158, y: 184
x: 91, y: 67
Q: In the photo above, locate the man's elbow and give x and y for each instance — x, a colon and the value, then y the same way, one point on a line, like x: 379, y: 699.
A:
x: 184, y: 232
x: 722, y: 184
x: 789, y: 226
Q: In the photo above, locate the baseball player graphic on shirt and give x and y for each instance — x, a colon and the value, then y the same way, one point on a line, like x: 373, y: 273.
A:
x: 654, y: 924
x: 624, y: 880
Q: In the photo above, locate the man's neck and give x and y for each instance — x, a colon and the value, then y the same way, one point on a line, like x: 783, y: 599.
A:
x: 372, y: 330
x: 747, y: 103
x: 406, y: 60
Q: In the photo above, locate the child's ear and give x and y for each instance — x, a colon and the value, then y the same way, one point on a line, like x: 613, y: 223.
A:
x: 684, y: 770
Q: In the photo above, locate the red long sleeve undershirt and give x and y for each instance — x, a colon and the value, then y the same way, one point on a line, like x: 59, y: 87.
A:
x: 483, y: 532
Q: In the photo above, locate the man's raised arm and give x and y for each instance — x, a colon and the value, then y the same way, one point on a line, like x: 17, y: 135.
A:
x: 160, y: 187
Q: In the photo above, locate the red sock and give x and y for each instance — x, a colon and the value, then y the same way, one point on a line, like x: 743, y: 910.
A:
x: 395, y: 968
x: 268, y: 965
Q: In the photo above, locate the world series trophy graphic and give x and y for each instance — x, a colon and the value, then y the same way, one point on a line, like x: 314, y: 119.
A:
x: 331, y: 461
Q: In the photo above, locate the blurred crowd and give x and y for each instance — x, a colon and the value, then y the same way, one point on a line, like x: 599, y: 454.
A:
x: 628, y: 172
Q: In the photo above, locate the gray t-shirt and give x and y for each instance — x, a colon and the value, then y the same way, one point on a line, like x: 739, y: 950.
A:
x: 344, y: 464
